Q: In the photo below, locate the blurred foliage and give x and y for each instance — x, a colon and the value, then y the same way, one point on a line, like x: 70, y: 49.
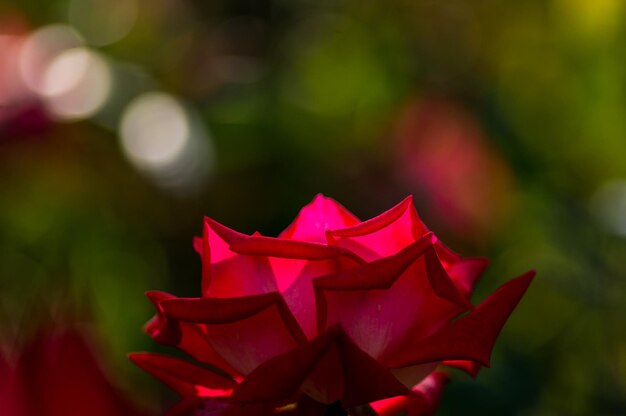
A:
x: 301, y: 97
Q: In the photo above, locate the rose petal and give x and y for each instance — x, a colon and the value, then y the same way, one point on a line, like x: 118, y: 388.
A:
x: 366, y: 380
x: 411, y: 376
x: 189, y: 337
x: 470, y: 367
x: 202, y: 406
x: 465, y: 273
x: 446, y: 255
x: 250, y: 265
x: 198, y: 406
x: 264, y: 264
x: 294, y: 264
x: 244, y: 331
x: 383, y: 235
x: 183, y: 377
x: 226, y: 273
x: 379, y: 303
x: 472, y: 336
x: 422, y: 400
x: 315, y: 218
x: 441, y: 282
x: 363, y: 378
x: 300, y: 295
x: 291, y: 249
x: 289, y: 258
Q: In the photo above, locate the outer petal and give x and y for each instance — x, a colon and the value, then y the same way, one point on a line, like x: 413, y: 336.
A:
x: 189, y: 337
x: 379, y: 303
x: 225, y: 273
x: 361, y: 378
x: 413, y: 375
x: 185, y: 378
x: 422, y: 400
x: 244, y: 331
x: 465, y: 273
x: 470, y: 367
x: 314, y: 219
x: 383, y: 235
x: 387, y: 234
x: 472, y: 336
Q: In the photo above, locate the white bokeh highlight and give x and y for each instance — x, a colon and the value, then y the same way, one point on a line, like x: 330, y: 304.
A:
x: 41, y: 48
x: 76, y: 84
x: 164, y: 141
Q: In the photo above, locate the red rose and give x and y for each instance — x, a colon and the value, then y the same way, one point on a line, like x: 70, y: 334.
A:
x: 334, y: 313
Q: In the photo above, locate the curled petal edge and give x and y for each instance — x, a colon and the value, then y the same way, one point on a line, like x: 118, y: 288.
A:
x: 472, y: 336
x: 185, y: 378
x: 421, y: 401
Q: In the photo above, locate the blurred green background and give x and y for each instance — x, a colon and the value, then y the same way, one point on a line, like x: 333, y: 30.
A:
x: 123, y: 122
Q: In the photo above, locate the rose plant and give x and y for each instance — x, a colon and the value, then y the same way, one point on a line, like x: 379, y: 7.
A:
x: 334, y: 315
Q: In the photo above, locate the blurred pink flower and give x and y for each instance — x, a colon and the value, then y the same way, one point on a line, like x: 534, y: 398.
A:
x: 58, y: 374
x: 445, y: 155
x: 21, y: 113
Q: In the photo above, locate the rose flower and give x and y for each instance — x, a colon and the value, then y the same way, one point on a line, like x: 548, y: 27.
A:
x: 335, y: 316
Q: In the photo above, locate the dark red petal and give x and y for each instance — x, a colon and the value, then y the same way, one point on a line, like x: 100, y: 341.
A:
x: 202, y: 406
x: 281, y: 377
x: 411, y: 376
x: 188, y: 337
x: 441, y: 282
x: 198, y: 406
x: 244, y: 331
x: 378, y: 274
x: 447, y: 256
x: 291, y: 249
x: 472, y: 336
x: 470, y: 367
x: 363, y: 379
x: 366, y: 380
x: 197, y: 246
x: 465, y: 273
x: 422, y: 401
x: 185, y: 378
x: 383, y: 235
x: 159, y: 328
x: 226, y: 273
x: 315, y: 218
x: 379, y: 303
